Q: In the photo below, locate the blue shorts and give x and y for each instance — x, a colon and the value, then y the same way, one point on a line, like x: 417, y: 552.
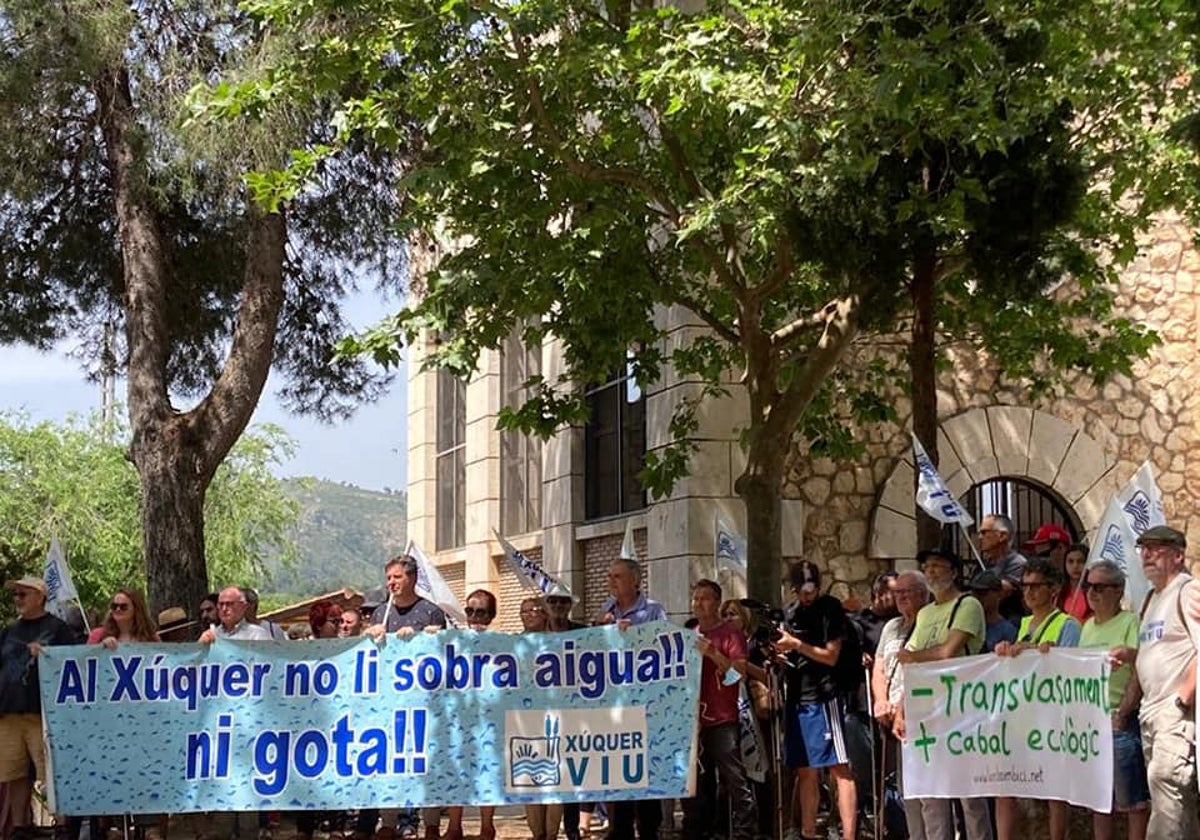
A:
x: 1130, y: 788
x: 814, y: 736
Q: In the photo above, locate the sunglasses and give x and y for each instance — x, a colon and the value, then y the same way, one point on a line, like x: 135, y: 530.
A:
x: 477, y: 612
x: 119, y: 607
x: 1100, y: 587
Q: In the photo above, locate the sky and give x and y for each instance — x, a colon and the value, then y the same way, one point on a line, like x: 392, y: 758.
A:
x: 367, y: 450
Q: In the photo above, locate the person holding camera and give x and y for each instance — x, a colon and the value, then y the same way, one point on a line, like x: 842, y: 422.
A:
x: 811, y: 638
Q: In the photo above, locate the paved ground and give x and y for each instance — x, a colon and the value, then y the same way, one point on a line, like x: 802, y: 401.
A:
x: 510, y: 825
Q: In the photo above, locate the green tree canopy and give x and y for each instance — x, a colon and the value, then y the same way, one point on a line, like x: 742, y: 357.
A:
x: 790, y: 171
x: 74, y: 481
x: 130, y: 233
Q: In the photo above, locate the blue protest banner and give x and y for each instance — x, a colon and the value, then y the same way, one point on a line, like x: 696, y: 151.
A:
x: 456, y: 717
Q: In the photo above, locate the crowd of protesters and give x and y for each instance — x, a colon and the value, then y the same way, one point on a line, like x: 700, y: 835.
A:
x: 801, y: 721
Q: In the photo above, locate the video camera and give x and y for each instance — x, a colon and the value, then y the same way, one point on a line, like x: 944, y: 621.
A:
x: 766, y: 624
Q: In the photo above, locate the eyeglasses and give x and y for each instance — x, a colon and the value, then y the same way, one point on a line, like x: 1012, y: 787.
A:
x: 477, y: 612
x: 903, y: 590
x: 1100, y: 587
x: 228, y: 605
x: 1150, y: 547
x: 117, y: 606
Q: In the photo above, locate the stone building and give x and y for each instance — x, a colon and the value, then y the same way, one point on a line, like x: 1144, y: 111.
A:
x: 567, y: 501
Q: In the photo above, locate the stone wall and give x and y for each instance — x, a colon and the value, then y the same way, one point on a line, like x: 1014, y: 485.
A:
x: 1083, y: 443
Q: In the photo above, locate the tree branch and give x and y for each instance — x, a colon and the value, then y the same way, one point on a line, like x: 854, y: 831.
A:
x: 728, y: 269
x: 227, y: 409
x: 841, y: 326
x: 142, y: 256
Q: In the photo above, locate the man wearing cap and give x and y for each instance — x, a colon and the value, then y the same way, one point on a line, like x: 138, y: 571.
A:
x: 559, y: 601
x: 1165, y: 668
x: 951, y: 626
x: 814, y: 712
x: 987, y: 588
x: 1051, y: 541
x: 995, y: 544
x: 20, y: 700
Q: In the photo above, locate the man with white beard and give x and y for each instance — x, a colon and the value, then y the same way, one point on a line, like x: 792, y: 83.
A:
x: 953, y: 625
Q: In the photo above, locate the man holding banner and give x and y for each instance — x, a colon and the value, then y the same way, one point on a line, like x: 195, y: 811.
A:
x: 20, y: 703
x: 626, y: 607
x: 950, y: 627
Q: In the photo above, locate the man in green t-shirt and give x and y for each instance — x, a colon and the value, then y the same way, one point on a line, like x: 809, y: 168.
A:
x: 952, y: 625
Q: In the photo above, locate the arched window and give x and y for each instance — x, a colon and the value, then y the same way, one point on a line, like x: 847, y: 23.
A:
x: 1028, y: 504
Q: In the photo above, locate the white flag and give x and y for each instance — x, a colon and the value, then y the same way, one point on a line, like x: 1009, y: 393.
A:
x: 530, y: 572
x: 933, y: 495
x: 60, y: 589
x: 1134, y: 508
x: 729, y: 549
x: 433, y: 587
x: 628, y: 552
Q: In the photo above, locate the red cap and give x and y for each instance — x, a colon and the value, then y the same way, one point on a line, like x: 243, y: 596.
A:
x: 1050, y: 533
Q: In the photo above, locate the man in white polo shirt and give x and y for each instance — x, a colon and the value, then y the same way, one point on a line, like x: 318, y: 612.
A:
x: 1166, y: 673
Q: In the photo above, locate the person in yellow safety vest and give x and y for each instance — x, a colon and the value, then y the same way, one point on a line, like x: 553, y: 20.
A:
x: 1047, y: 626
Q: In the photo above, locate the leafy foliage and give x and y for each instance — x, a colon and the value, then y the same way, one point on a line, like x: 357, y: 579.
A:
x: 781, y: 168
x: 59, y: 251
x: 73, y: 480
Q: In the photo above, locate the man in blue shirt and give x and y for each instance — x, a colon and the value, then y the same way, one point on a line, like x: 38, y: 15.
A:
x: 625, y: 607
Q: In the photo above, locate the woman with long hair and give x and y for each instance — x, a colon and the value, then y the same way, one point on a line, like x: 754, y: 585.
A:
x: 480, y: 610
x: 127, y: 620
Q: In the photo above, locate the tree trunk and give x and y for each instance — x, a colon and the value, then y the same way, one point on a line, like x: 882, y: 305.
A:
x: 761, y: 491
x: 922, y: 357
x: 170, y: 465
x: 177, y: 454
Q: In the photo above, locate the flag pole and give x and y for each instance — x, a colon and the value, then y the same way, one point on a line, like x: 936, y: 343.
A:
x: 971, y: 543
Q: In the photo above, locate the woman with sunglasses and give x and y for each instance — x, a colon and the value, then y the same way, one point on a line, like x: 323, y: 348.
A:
x: 127, y: 620
x: 481, y: 612
x: 1112, y: 627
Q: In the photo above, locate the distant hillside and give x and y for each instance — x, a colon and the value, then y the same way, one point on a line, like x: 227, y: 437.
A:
x: 344, y: 535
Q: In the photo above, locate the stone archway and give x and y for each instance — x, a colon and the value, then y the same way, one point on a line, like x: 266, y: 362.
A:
x: 986, y: 443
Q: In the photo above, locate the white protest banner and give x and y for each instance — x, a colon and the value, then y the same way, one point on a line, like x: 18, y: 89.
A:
x: 60, y: 589
x: 1134, y: 508
x: 1033, y: 726
x: 432, y: 586
x: 933, y: 495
